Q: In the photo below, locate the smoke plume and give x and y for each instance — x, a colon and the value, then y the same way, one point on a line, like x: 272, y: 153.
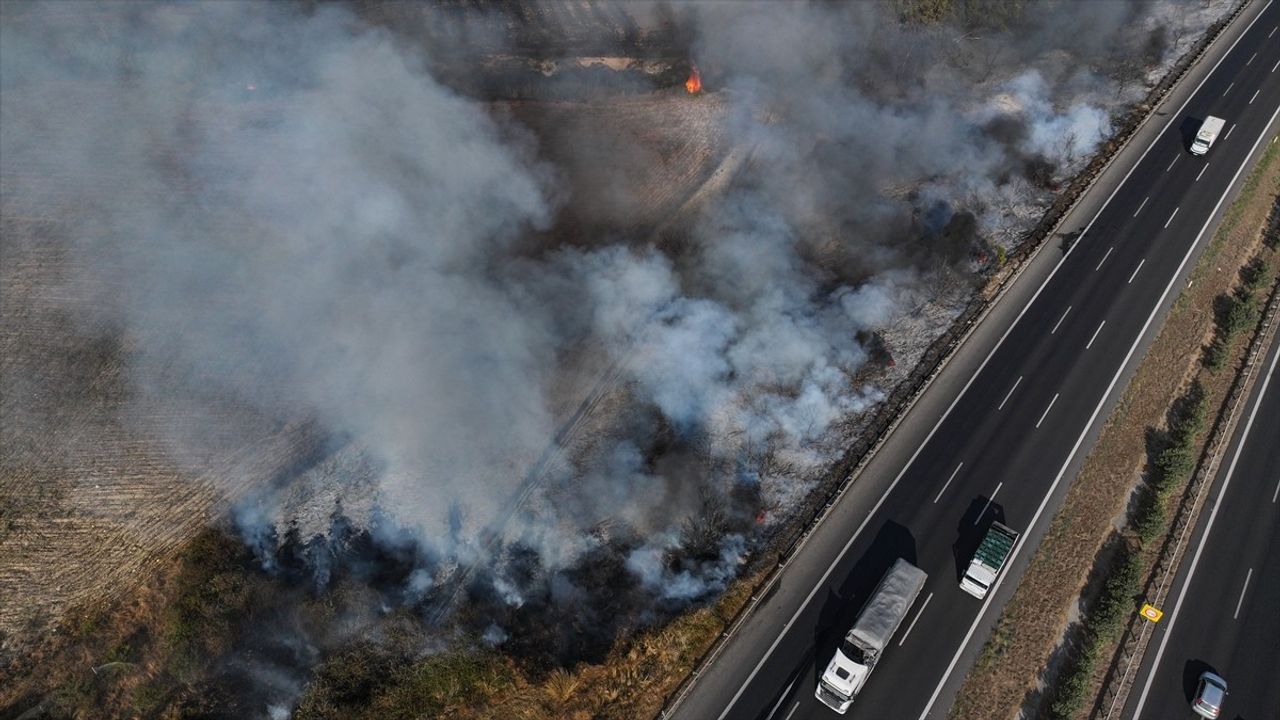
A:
x: 288, y: 216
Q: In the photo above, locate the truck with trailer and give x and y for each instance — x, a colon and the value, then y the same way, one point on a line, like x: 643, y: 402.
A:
x: 1208, y: 132
x: 862, y: 646
x: 989, y: 560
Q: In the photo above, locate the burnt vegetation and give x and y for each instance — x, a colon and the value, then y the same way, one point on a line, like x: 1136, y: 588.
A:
x: 665, y: 315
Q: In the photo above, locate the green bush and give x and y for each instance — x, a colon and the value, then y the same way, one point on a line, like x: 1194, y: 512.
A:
x: 1242, y: 313
x: 1150, y: 520
x: 1175, y: 463
x: 1102, y: 625
x: 1195, y: 413
x: 1072, y: 689
x: 1173, y: 466
x: 1215, y: 354
x: 1256, y: 274
x: 1116, y: 601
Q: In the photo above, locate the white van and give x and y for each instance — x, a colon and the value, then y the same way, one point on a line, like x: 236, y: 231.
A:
x: 1209, y: 130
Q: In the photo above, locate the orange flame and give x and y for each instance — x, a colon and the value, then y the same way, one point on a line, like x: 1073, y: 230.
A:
x: 694, y: 83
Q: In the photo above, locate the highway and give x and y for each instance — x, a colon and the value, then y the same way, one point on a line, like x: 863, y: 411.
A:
x: 1225, y: 613
x: 1009, y: 443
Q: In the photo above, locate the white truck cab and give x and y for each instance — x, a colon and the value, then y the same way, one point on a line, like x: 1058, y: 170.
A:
x: 870, y: 635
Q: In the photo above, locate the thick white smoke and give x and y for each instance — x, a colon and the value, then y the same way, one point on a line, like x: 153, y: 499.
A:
x: 285, y: 213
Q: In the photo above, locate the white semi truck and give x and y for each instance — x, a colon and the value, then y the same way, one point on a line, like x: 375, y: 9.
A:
x: 1208, y: 132
x: 880, y: 617
x: 989, y: 560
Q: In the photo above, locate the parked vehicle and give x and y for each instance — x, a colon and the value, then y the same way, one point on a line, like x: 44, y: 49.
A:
x: 877, y: 622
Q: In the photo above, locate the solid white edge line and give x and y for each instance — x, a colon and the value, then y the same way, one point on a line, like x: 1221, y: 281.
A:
x: 1009, y: 394
x: 989, y: 501
x: 1145, y: 199
x: 1173, y: 617
x: 947, y: 483
x: 1135, y: 271
x: 1171, y: 217
x: 1255, y: 96
x: 1045, y: 414
x: 1206, y: 167
x: 913, y: 621
x: 1243, y: 590
x: 1104, y: 258
x: 1064, y: 317
x: 1045, y: 283
x: 1116, y: 378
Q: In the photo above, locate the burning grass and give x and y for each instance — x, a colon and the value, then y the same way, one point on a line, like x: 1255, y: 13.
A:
x: 1075, y: 556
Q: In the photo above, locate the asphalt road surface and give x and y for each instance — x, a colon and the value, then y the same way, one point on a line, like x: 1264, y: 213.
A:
x: 1225, y: 613
x: 1008, y: 441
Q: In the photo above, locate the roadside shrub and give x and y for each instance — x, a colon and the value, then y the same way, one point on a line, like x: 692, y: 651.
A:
x: 1150, y: 519
x: 1242, y: 313
x: 1173, y: 466
x: 1255, y: 274
x: 1215, y: 354
x: 1102, y: 625
x: 1072, y: 689
x: 1176, y: 462
x: 1116, y: 601
x: 1195, y: 412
